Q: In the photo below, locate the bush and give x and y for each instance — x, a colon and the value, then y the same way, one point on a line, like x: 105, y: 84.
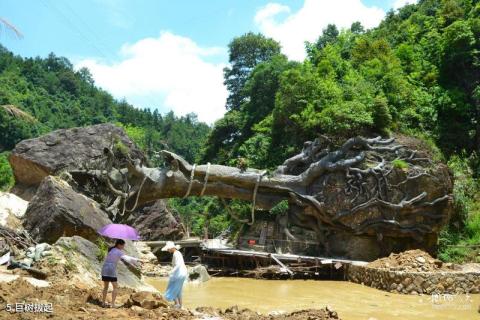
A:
x: 381, y: 114
x: 459, y: 239
x: 102, y: 249
x: 400, y: 164
x: 6, y: 174
x: 280, y: 208
x: 346, y: 119
x: 120, y: 147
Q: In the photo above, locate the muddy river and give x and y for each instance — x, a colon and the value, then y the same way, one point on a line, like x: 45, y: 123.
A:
x: 351, y: 301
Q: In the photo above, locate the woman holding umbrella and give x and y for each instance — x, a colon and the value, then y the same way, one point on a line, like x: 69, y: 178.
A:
x: 177, y: 276
x: 115, y: 253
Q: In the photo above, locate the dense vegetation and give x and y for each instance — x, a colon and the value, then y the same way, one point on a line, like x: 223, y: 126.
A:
x: 417, y: 73
x: 51, y: 95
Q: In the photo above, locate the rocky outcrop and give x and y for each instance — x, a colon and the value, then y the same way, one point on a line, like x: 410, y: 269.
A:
x: 34, y: 159
x: 83, y: 261
x: 156, y: 222
x: 57, y: 210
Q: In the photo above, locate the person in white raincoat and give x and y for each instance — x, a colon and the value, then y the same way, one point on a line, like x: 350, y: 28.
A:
x: 177, y: 276
x: 109, y: 269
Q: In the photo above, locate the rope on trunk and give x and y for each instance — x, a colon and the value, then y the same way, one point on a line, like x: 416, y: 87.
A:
x: 206, y: 179
x: 192, y: 173
x: 254, y: 199
x: 138, y: 195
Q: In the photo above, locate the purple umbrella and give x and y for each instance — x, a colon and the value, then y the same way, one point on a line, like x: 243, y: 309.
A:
x: 119, y: 231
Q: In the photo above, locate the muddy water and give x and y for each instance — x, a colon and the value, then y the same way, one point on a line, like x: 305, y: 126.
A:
x: 351, y: 301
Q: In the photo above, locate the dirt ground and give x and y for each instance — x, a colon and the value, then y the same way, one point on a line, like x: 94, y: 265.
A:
x: 411, y: 260
x: 75, y: 302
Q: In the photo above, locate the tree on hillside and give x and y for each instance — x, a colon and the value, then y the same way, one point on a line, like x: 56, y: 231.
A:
x: 460, y: 74
x: 246, y: 52
x: 329, y: 35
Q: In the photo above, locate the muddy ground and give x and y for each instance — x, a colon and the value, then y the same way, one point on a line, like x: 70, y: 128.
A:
x: 419, y: 261
x: 75, y: 302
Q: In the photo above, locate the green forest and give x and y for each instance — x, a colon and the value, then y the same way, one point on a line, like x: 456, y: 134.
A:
x: 417, y: 73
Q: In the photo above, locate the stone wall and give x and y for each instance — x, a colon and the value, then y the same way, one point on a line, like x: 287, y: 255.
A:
x: 451, y: 282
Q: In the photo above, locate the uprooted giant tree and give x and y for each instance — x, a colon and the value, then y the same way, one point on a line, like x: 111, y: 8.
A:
x: 364, y: 198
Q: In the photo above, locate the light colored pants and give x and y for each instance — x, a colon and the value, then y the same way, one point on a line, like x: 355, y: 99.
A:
x: 174, y: 288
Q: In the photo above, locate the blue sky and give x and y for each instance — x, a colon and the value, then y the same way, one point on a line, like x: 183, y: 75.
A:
x: 169, y: 54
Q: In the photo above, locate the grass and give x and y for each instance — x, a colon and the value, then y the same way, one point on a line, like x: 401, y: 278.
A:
x: 429, y: 141
x: 280, y: 208
x: 400, y: 164
x: 70, y: 264
x: 461, y: 245
x: 102, y: 249
x: 6, y: 174
x: 120, y: 146
x: 460, y: 240
x: 52, y: 261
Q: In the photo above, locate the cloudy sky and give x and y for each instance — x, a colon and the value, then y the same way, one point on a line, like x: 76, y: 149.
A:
x: 169, y: 55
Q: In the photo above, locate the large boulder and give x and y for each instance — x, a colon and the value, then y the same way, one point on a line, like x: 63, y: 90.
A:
x: 57, y: 210
x: 34, y: 159
x: 12, y: 209
x: 156, y: 222
x: 83, y: 260
x: 147, y: 300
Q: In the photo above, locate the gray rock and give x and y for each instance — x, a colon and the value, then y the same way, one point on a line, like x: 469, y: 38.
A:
x: 34, y: 159
x: 86, y: 254
x: 420, y: 259
x: 449, y: 281
x: 393, y: 286
x: 146, y: 300
x: 198, y: 274
x: 57, y: 210
x: 410, y: 287
x: 407, y: 281
x: 156, y: 222
x: 418, y: 281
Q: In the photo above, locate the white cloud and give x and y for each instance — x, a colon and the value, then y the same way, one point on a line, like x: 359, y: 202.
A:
x: 307, y: 23
x: 400, y: 3
x: 171, y: 71
x: 268, y: 13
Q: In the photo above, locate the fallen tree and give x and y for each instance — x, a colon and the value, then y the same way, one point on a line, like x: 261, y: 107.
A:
x: 365, y: 187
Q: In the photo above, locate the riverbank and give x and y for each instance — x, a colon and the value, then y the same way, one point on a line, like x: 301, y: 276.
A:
x: 416, y: 272
x: 351, y: 301
x: 59, y: 301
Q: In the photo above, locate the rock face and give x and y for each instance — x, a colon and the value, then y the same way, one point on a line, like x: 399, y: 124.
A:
x: 34, y: 159
x: 57, y: 210
x: 83, y: 261
x: 156, y: 222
